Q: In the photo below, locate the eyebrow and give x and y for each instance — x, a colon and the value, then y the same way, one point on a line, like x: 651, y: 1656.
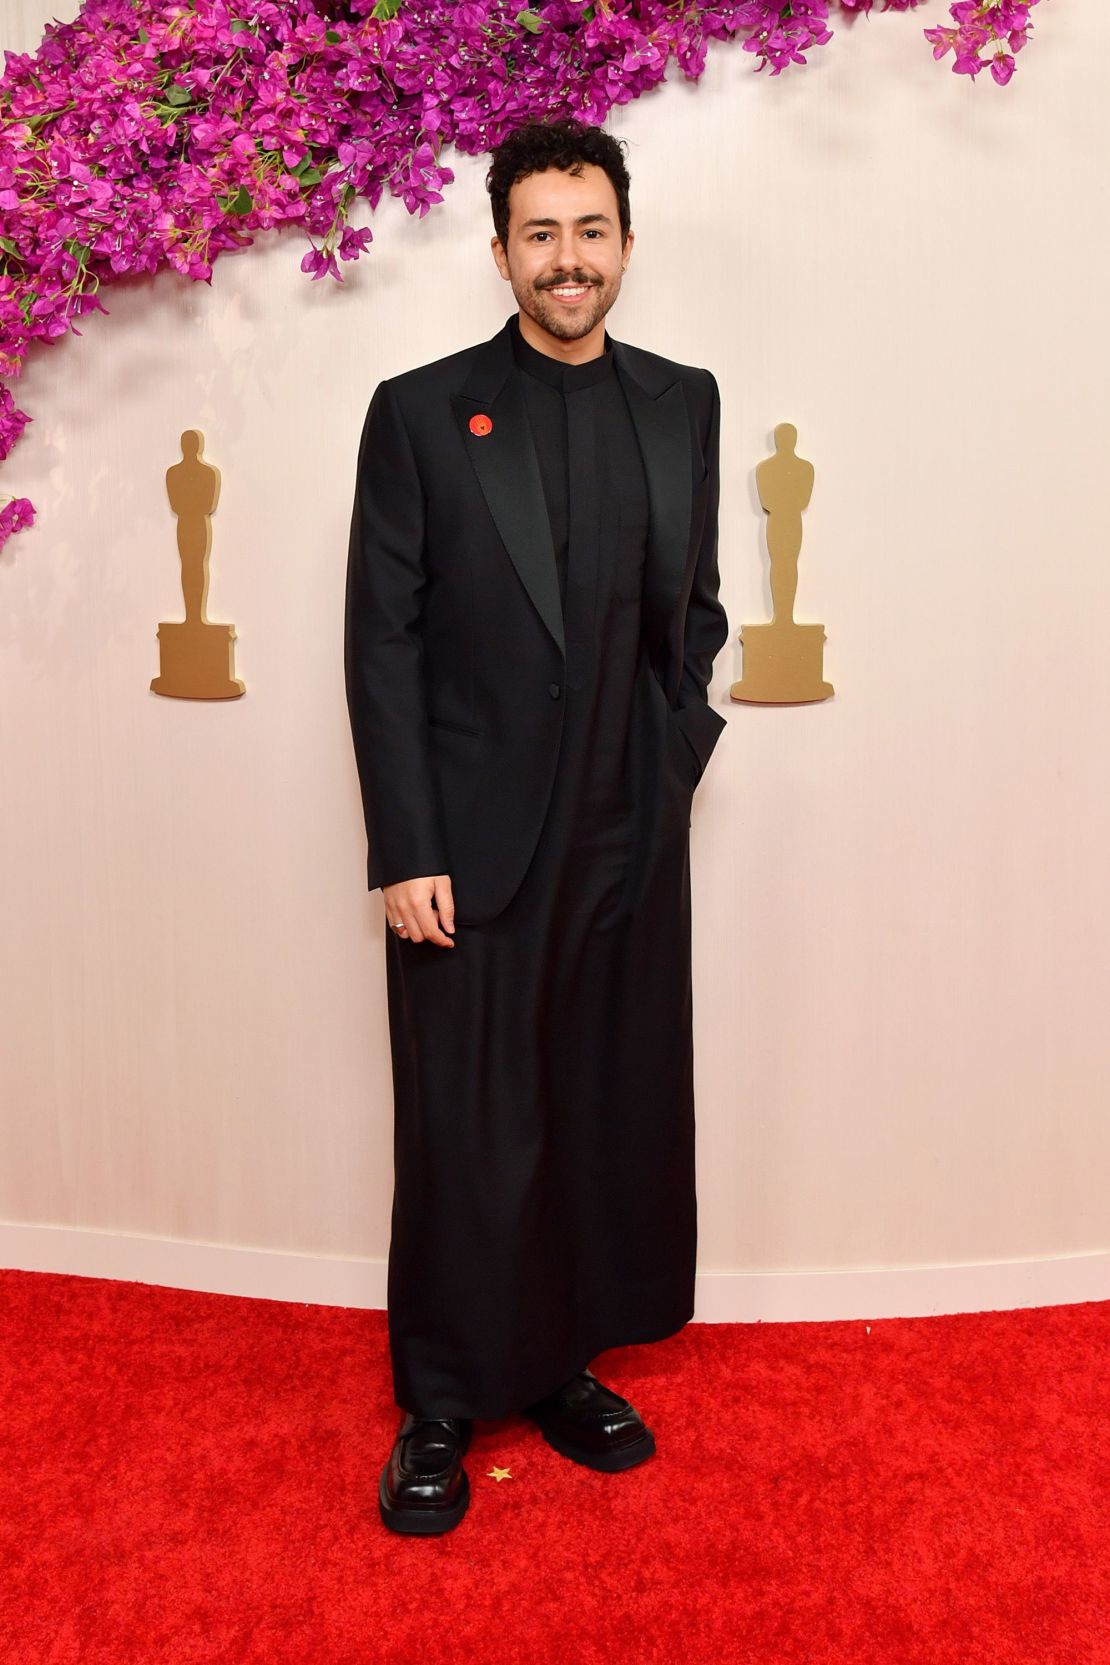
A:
x: 582, y: 219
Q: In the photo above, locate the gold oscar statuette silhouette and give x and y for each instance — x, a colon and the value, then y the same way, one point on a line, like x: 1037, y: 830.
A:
x: 783, y: 660
x: 196, y: 657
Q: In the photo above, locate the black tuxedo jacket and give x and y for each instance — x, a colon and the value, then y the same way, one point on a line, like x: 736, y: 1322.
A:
x: 453, y: 643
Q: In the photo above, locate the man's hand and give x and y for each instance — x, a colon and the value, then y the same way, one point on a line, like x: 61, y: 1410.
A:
x: 409, y: 913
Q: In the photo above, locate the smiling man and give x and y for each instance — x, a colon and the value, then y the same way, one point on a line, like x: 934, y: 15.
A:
x: 531, y: 622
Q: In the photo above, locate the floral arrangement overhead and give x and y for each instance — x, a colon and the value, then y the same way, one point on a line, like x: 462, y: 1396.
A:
x: 146, y: 134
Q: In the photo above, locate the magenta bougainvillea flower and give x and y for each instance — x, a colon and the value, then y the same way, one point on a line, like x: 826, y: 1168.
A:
x: 146, y: 134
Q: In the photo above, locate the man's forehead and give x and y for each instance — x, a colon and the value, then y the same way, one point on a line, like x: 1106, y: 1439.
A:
x: 589, y: 179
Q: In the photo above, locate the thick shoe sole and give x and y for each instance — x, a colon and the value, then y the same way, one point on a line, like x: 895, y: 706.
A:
x: 422, y: 1523
x: 608, y: 1462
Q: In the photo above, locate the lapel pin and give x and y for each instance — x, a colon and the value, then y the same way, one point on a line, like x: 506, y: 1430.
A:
x: 481, y: 424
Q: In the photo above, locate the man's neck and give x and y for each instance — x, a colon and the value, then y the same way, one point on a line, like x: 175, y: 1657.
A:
x: 579, y: 351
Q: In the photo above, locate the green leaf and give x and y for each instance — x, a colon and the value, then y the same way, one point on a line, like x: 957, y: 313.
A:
x: 332, y: 37
x: 311, y: 176
x: 385, y: 10
x: 240, y: 203
x: 177, y: 95
x: 143, y: 37
x: 238, y: 24
x: 529, y: 20
x: 9, y: 245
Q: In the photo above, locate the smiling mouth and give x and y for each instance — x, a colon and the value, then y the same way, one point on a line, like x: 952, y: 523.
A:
x: 568, y: 293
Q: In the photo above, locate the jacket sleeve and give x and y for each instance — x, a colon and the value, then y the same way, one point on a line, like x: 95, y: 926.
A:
x: 706, y: 623
x: 383, y: 653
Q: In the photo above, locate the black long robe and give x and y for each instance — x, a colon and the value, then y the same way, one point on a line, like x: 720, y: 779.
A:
x: 544, y: 1201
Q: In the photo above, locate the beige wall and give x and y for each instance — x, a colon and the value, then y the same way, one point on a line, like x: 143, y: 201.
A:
x: 902, y: 911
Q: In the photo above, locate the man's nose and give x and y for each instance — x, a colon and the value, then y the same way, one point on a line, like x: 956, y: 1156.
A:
x: 566, y: 257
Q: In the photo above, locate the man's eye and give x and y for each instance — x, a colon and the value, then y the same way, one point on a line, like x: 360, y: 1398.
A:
x: 591, y: 231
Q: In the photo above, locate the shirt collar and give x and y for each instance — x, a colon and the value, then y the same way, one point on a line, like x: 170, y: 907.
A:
x: 566, y: 377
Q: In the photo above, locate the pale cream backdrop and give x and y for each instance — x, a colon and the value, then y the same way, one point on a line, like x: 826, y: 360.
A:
x: 902, y: 904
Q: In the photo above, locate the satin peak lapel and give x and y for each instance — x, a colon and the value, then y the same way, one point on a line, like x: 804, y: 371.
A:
x: 508, y: 472
x: 657, y: 404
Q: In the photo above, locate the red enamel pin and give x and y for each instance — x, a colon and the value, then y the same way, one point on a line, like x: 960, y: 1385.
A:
x: 481, y: 424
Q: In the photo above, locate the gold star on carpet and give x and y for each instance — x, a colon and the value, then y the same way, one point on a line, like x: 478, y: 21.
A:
x: 496, y: 1473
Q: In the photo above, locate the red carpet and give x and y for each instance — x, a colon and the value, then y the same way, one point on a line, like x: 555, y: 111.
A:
x: 192, y: 1477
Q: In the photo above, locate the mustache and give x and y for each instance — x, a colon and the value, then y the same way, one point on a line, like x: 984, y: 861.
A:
x: 565, y: 282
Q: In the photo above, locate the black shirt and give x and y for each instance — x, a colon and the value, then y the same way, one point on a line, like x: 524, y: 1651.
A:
x: 582, y: 429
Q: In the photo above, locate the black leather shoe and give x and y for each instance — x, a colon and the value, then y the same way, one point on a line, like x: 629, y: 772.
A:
x: 590, y: 1424
x: 424, y: 1488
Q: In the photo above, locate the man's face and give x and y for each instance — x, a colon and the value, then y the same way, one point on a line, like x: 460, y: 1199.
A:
x: 564, y: 234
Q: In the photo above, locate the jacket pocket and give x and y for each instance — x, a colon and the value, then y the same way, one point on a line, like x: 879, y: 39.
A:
x: 456, y: 728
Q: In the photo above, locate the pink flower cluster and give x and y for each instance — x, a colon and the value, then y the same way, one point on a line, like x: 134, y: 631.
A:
x: 980, y: 28
x: 148, y: 133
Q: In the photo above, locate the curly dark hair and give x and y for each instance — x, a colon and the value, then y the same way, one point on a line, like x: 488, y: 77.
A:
x: 538, y: 145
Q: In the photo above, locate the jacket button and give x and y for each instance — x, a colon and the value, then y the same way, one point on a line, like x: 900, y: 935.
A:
x: 553, y: 690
